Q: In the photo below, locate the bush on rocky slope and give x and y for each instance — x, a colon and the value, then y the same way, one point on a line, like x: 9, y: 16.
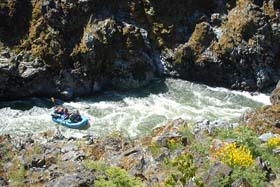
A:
x: 180, y: 157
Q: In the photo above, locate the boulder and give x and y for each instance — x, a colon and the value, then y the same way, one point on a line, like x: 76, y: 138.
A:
x: 205, y: 125
x: 201, y: 38
x: 58, y: 135
x: 128, y: 62
x: 37, y: 161
x: 264, y: 120
x: 170, y: 131
x: 276, y: 151
x: 73, y: 156
x: 275, y: 95
x: 5, y: 54
x: 69, y: 147
x: 265, y: 166
x: 84, y: 178
x: 264, y: 137
x: 164, y: 153
x: 217, y: 170
x: 3, y: 182
x: 135, y: 161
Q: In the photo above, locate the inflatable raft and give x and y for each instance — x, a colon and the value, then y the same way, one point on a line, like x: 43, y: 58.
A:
x: 60, y: 119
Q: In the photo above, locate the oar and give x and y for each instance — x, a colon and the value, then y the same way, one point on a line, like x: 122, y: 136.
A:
x: 53, y: 100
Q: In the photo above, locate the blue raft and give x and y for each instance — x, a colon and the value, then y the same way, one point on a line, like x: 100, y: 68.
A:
x: 67, y: 122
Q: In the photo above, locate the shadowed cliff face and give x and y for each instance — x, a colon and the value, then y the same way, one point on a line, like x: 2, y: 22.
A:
x: 14, y: 24
x: 85, y: 46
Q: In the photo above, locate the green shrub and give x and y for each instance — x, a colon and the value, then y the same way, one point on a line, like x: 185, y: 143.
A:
x: 95, y: 165
x: 201, y: 147
x: 16, y: 175
x: 184, y: 169
x: 267, y: 154
x: 173, y: 144
x: 252, y: 174
x: 111, y: 176
x: 185, y: 131
x: 116, y: 177
x: 243, y: 136
x: 154, y: 148
x: 32, y: 150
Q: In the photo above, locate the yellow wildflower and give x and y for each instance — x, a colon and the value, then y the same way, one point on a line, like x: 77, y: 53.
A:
x: 171, y: 141
x: 273, y: 142
x: 234, y: 155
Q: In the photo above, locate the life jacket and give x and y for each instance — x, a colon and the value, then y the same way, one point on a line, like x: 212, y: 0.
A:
x: 75, y: 117
x: 59, y: 110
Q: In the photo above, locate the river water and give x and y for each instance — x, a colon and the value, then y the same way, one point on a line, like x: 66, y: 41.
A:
x: 135, y: 112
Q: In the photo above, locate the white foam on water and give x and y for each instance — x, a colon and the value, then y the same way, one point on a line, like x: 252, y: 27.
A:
x: 137, y: 113
x: 16, y: 121
x: 258, y: 97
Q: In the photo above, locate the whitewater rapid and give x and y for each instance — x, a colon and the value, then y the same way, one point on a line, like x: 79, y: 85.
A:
x: 135, y: 112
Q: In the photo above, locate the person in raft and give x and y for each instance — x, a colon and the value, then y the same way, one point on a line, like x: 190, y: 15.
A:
x: 61, y: 112
x: 65, y: 114
x: 75, y: 117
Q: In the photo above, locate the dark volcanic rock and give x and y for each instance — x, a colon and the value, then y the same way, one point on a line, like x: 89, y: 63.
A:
x: 3, y: 182
x: 15, y: 16
x: 241, y: 53
x: 265, y: 166
x: 69, y: 147
x: 37, y: 161
x: 73, y: 155
x: 276, y: 151
x: 74, y: 48
x: 217, y: 170
x: 84, y: 179
x: 275, y: 95
x: 265, y: 119
x: 120, y: 52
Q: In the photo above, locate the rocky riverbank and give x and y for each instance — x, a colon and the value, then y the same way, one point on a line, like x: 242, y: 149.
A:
x: 179, y: 153
x: 72, y: 48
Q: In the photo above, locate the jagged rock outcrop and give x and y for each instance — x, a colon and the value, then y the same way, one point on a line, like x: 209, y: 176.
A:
x: 242, y: 53
x: 71, y: 161
x: 116, y: 53
x: 87, y: 46
x: 15, y: 16
x: 267, y: 117
x: 275, y: 95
